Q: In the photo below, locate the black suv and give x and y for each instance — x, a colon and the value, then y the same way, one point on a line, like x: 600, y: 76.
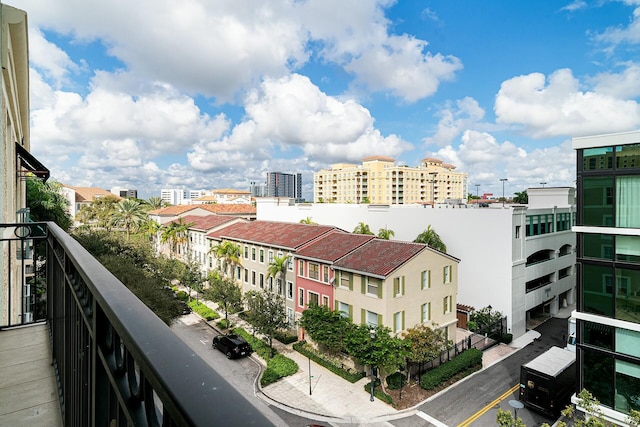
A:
x: 232, y: 345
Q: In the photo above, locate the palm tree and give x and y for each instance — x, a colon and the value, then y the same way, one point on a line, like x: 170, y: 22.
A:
x: 521, y: 197
x: 362, y: 228
x: 150, y: 228
x: 129, y: 214
x: 431, y: 239
x: 155, y: 202
x: 385, y: 233
x: 307, y: 220
x: 228, y: 252
x: 175, y: 233
x: 278, y: 268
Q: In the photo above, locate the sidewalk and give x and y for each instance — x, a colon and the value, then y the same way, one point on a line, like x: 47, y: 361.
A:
x: 317, y: 393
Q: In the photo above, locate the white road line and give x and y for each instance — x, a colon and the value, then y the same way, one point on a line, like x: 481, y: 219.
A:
x: 203, y: 342
x: 430, y: 419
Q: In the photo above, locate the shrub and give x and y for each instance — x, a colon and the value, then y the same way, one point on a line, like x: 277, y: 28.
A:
x: 378, y: 393
x: 469, y: 360
x: 302, y: 348
x: 203, y: 310
x: 285, y: 337
x: 472, y: 326
x: 223, y: 324
x: 278, y: 366
x: 182, y: 296
x: 396, y: 380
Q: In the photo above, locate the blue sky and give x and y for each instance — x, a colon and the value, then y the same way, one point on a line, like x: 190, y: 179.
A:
x: 204, y: 94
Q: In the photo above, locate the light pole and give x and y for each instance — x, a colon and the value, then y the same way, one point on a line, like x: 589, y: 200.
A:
x: 543, y: 184
x: 477, y: 188
x: 372, y: 334
x: 503, y: 181
x: 433, y: 188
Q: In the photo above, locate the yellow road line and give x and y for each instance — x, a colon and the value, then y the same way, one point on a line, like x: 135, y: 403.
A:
x: 484, y: 410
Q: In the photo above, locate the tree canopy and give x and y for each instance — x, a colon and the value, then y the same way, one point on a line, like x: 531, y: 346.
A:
x: 521, y: 197
x: 267, y: 313
x: 385, y: 233
x: 362, y: 228
x: 225, y: 292
x: 47, y: 203
x: 430, y: 238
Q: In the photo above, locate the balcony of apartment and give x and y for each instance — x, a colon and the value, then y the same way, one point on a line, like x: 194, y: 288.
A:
x: 77, y: 348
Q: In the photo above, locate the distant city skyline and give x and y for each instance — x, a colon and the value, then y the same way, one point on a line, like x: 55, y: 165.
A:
x: 161, y: 94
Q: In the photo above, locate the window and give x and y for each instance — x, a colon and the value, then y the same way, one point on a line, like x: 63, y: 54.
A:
x: 270, y: 257
x: 246, y: 275
x: 290, y: 290
x: 371, y: 319
x: 290, y: 316
x: 270, y: 280
x: 253, y: 278
x: 325, y: 300
x: 300, y: 268
x: 446, y: 274
x: 372, y: 286
x: 279, y: 286
x: 314, y: 298
x: 253, y: 254
x: 314, y: 271
x: 425, y: 312
x: 261, y: 256
x: 325, y: 273
x: 261, y: 280
x: 301, y: 297
x: 290, y: 263
x: 398, y: 321
x: 446, y: 304
x: 425, y: 279
x: 517, y: 231
x: 398, y: 286
x: 345, y: 280
x: 344, y: 309
x: 238, y: 272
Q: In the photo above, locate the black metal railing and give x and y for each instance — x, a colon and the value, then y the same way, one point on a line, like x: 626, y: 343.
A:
x: 116, y: 362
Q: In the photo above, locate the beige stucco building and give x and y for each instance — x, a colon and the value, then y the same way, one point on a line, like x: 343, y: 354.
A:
x: 378, y: 180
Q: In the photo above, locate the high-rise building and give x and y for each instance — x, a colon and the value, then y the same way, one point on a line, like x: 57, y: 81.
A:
x: 258, y: 190
x: 284, y: 185
x: 378, y: 180
x: 608, y: 260
x: 124, y: 192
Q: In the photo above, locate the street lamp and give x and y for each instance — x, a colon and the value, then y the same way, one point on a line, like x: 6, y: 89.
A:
x: 477, y: 187
x: 372, y: 334
x: 433, y: 188
x: 543, y: 184
x: 503, y: 181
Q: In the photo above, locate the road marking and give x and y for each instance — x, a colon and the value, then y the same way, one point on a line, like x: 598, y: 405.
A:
x: 486, y: 409
x: 203, y: 342
x: 430, y: 419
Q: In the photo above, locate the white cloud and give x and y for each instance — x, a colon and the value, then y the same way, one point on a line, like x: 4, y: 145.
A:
x: 557, y: 107
x: 292, y: 113
x: 53, y: 62
x: 455, y: 118
x: 575, y: 5
x: 625, y: 84
x: 629, y: 34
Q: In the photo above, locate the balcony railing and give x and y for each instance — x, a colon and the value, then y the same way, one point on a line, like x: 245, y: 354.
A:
x: 115, y: 361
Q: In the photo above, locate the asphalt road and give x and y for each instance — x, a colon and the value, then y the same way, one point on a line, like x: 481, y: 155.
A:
x: 240, y: 373
x: 490, y: 388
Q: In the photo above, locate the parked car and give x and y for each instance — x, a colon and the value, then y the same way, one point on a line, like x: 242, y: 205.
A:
x: 232, y: 345
x: 184, y: 308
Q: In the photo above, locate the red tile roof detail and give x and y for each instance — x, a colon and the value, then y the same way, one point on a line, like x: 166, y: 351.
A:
x: 89, y: 194
x: 333, y: 246
x: 228, y: 209
x: 270, y: 233
x: 174, y: 210
x: 380, y: 257
x: 205, y: 223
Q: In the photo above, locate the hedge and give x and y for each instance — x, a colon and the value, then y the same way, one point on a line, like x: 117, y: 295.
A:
x: 378, y: 393
x: 278, y: 366
x: 203, y: 310
x: 302, y: 348
x: 466, y: 361
x: 395, y: 380
x: 285, y: 337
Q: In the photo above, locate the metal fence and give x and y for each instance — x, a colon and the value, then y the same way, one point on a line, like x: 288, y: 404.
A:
x: 116, y: 362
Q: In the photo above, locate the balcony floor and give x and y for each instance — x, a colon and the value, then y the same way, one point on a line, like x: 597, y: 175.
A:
x: 28, y: 393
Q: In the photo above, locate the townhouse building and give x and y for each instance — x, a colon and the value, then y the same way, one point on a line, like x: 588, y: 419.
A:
x: 608, y: 235
x: 260, y: 242
x: 398, y: 285
x: 83, y: 196
x: 520, y: 259
x: 170, y: 213
x: 378, y: 180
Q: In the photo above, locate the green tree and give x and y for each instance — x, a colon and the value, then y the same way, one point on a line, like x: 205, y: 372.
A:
x: 430, y: 238
x: 385, y: 233
x: 326, y: 327
x: 425, y: 343
x: 521, y: 197
x: 225, y: 292
x: 267, y: 314
x: 150, y: 228
x: 384, y: 351
x: 229, y: 253
x: 365, y: 201
x: 47, y: 203
x: 99, y: 212
x: 278, y: 270
x: 191, y: 277
x: 485, y: 317
x: 308, y: 220
x: 175, y: 233
x: 154, y: 203
x: 129, y: 214
x: 362, y: 228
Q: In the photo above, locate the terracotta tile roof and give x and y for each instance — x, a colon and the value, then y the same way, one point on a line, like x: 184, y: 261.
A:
x: 230, y: 209
x: 89, y: 194
x: 381, y: 158
x: 286, y: 235
x: 380, y: 257
x: 206, y: 223
x: 230, y: 191
x: 333, y: 246
x: 174, y: 210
